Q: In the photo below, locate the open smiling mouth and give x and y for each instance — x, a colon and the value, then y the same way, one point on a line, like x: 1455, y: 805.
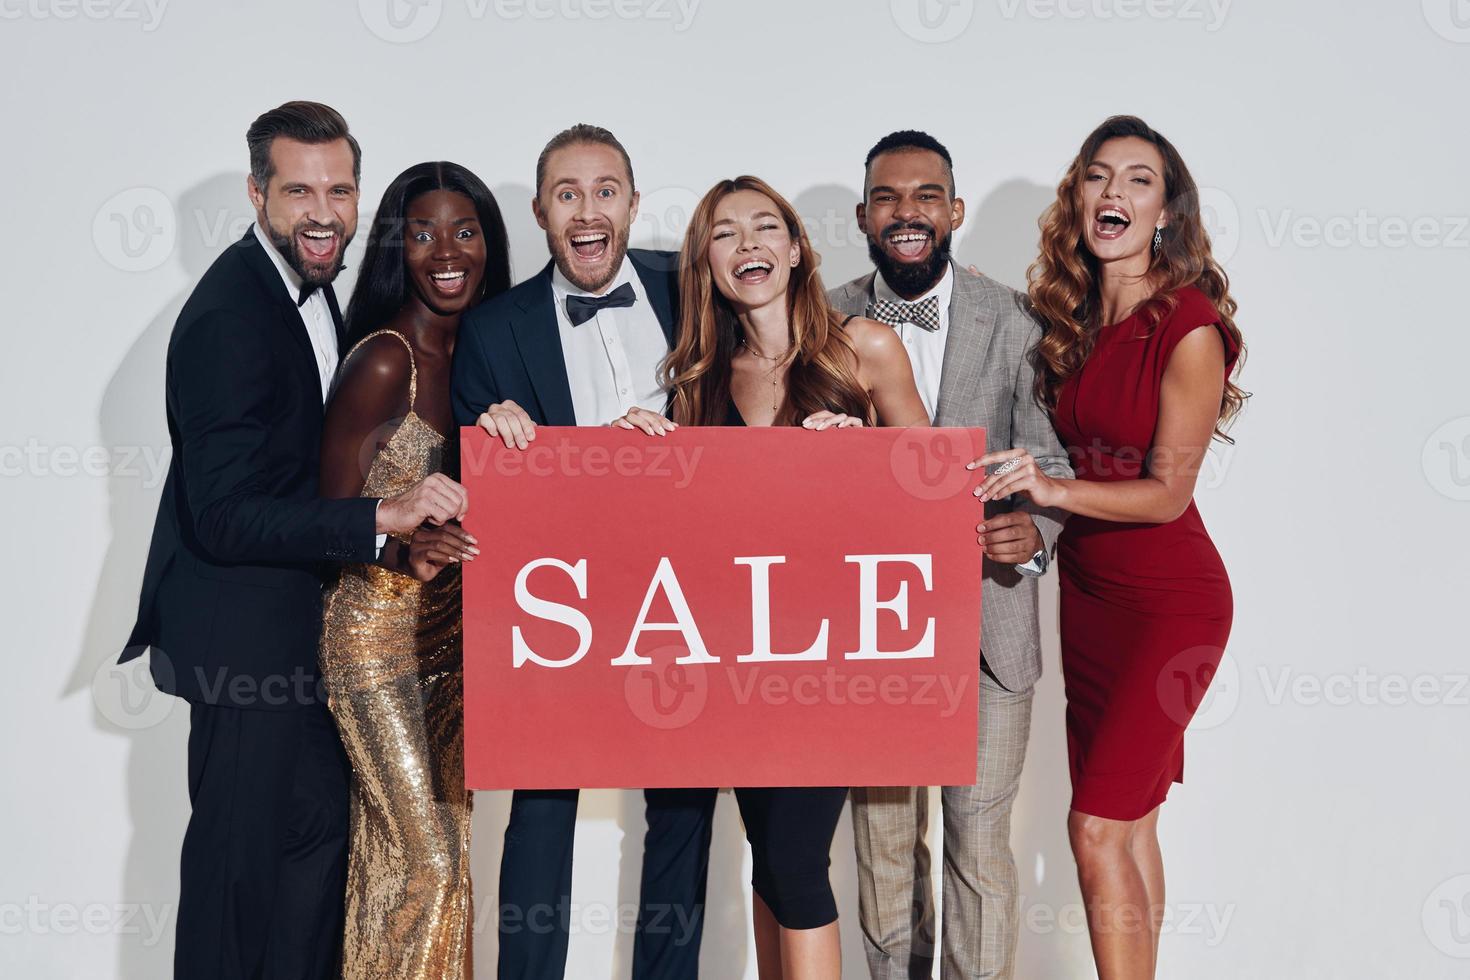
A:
x: 449, y: 283
x: 318, y: 243
x: 1110, y: 223
x: 910, y: 244
x: 589, y: 246
x: 753, y: 271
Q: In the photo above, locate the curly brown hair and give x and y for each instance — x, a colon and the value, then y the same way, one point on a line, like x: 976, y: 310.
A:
x: 1063, y: 281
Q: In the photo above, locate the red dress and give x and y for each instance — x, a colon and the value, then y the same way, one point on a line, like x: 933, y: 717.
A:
x: 1145, y: 608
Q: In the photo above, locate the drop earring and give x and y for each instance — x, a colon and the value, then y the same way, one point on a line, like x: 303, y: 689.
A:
x: 1158, y: 238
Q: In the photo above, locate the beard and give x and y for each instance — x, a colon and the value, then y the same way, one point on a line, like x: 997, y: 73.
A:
x: 586, y: 279
x: 311, y: 271
x: 911, y: 279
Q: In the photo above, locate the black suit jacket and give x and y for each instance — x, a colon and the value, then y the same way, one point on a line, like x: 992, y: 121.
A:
x: 231, y: 600
x: 510, y: 348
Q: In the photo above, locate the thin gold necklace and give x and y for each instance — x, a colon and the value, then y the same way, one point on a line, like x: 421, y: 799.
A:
x: 770, y: 373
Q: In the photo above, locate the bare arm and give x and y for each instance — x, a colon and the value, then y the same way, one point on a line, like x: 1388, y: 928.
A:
x: 1189, y: 405
x: 884, y: 369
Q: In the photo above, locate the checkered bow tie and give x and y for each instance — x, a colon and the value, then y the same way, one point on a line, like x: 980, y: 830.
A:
x: 924, y: 313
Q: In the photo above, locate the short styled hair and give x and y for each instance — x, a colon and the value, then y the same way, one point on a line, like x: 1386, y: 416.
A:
x: 305, y: 122
x: 908, y: 139
x: 581, y: 133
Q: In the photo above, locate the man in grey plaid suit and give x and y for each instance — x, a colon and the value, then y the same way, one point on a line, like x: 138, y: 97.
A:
x: 967, y: 337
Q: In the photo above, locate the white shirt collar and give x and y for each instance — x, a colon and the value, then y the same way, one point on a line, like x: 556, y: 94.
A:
x: 943, y: 289
x: 563, y: 287
x: 288, y: 275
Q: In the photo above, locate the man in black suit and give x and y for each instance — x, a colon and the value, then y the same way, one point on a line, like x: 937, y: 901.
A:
x: 580, y: 344
x: 231, y: 599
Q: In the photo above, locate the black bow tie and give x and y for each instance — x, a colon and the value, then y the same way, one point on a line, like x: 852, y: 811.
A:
x: 580, y: 309
x: 307, y: 288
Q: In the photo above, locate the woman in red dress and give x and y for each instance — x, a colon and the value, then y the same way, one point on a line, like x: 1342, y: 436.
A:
x: 1137, y: 350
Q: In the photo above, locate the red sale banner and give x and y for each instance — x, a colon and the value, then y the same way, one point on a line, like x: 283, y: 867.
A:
x: 722, y: 607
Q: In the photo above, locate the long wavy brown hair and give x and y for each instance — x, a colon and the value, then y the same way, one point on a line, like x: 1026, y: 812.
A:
x: 821, y: 363
x: 1063, y: 281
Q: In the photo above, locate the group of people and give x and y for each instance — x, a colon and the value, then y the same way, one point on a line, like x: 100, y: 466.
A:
x: 302, y: 588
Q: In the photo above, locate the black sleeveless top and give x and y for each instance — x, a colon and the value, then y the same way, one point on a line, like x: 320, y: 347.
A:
x: 733, y: 416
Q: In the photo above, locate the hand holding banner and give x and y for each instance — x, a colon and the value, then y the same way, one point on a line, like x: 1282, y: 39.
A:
x: 722, y: 607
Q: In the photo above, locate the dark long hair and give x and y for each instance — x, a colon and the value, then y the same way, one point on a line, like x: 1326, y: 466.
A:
x: 382, y: 285
x: 1063, y: 281
x: 822, y: 360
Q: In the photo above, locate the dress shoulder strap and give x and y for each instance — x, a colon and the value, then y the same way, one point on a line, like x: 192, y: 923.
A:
x: 849, y: 318
x: 413, y: 370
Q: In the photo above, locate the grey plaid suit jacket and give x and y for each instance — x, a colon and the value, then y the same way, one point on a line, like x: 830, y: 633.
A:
x: 986, y: 381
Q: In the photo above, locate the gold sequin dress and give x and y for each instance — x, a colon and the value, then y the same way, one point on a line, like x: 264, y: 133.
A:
x: 392, y: 662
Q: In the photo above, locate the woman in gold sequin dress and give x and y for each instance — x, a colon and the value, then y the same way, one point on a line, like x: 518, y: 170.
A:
x: 391, y: 642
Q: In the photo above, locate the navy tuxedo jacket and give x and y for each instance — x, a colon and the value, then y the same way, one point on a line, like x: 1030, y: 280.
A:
x: 509, y: 347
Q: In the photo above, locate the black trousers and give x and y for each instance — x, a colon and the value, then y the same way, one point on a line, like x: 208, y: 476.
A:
x: 263, y: 871
x: 536, y: 884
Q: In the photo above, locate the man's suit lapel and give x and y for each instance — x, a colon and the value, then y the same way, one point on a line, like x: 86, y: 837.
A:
x: 971, y: 327
x: 283, y: 302
x: 539, y: 341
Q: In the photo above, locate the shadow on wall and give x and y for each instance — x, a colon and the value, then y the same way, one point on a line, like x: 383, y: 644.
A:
x: 528, y: 252
x: 210, y: 216
x: 1000, y: 234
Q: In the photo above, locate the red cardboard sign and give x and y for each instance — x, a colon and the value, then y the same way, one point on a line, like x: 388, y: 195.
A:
x: 722, y: 607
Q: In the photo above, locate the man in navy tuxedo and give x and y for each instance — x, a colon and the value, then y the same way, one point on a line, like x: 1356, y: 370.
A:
x: 580, y: 344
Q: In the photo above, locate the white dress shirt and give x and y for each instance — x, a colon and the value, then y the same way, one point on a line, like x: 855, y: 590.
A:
x: 316, y: 314
x: 925, y: 347
x: 612, y: 358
